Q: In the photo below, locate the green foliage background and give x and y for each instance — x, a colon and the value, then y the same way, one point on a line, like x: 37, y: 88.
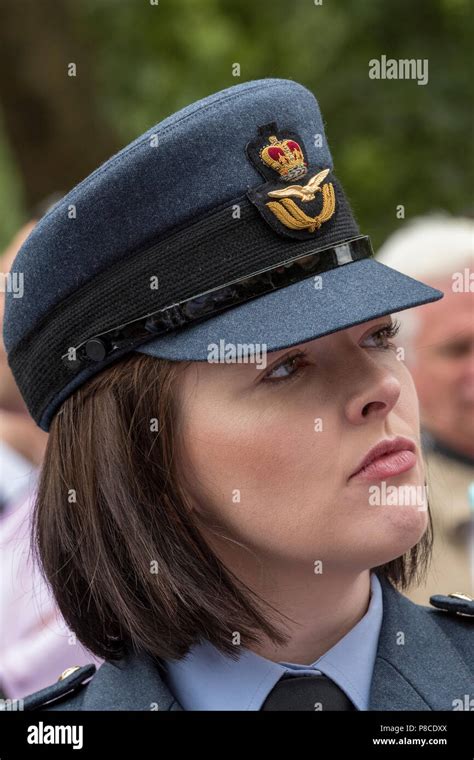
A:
x: 393, y: 142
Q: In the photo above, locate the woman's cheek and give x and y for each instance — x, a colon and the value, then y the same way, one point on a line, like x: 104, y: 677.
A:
x: 408, y: 403
x: 257, y: 471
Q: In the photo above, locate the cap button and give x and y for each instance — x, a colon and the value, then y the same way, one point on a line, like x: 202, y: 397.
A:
x: 95, y: 349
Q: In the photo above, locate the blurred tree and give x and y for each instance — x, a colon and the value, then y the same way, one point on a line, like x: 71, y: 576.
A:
x: 55, y: 130
x: 394, y: 142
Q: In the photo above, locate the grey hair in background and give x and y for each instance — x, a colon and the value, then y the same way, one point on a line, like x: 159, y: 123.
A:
x: 431, y: 249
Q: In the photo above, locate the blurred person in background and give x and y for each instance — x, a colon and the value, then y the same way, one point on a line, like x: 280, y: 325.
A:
x: 35, y: 645
x: 21, y: 443
x: 439, y: 350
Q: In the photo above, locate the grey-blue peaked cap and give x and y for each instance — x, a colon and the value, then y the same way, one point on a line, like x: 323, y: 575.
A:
x: 224, y: 222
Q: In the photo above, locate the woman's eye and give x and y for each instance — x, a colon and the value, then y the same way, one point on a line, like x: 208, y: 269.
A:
x: 293, y: 365
x: 381, y: 337
x: 288, y: 368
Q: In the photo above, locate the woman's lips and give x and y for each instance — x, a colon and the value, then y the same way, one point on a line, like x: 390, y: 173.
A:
x: 388, y: 465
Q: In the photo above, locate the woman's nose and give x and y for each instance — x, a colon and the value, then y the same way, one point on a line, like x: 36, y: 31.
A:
x: 376, y: 396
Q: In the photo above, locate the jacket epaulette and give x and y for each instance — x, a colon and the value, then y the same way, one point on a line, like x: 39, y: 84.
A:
x: 455, y: 604
x: 68, y: 683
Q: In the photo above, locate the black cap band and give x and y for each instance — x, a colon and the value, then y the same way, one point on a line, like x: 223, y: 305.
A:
x: 221, y: 260
x: 205, y: 305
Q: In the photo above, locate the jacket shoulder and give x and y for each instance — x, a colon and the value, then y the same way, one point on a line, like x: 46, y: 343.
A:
x: 66, y: 694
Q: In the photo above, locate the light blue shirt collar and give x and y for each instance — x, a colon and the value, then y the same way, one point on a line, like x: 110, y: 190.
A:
x: 206, y: 679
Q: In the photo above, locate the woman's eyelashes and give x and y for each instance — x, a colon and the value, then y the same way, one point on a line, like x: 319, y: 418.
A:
x: 295, y: 363
x: 292, y: 366
x: 383, y: 335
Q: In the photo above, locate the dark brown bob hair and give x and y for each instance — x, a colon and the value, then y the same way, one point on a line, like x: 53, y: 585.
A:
x: 118, y: 543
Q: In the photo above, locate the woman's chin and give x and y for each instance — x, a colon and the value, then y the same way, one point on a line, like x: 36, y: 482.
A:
x: 396, y: 530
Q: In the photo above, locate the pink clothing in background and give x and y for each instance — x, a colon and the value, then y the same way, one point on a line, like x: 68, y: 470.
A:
x: 35, y: 644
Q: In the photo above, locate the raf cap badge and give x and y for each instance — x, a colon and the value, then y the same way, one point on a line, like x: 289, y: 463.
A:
x: 296, y: 210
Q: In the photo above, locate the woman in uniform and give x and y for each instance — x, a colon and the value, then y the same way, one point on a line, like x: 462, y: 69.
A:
x: 233, y: 496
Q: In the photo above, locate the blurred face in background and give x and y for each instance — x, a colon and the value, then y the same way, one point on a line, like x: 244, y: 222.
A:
x: 443, y: 367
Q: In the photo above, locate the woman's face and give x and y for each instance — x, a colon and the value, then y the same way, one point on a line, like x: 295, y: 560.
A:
x: 269, y: 453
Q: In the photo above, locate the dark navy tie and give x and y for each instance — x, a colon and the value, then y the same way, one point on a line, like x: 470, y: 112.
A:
x: 307, y: 693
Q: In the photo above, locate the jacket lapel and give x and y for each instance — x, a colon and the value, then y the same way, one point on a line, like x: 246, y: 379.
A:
x: 416, y: 667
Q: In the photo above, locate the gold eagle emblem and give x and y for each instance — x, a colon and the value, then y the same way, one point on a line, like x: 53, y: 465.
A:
x: 291, y: 215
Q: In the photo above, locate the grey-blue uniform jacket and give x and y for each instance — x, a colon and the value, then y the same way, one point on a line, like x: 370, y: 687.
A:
x: 432, y: 670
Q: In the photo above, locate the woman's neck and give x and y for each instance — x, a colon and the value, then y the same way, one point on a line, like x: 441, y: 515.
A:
x: 323, y: 608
